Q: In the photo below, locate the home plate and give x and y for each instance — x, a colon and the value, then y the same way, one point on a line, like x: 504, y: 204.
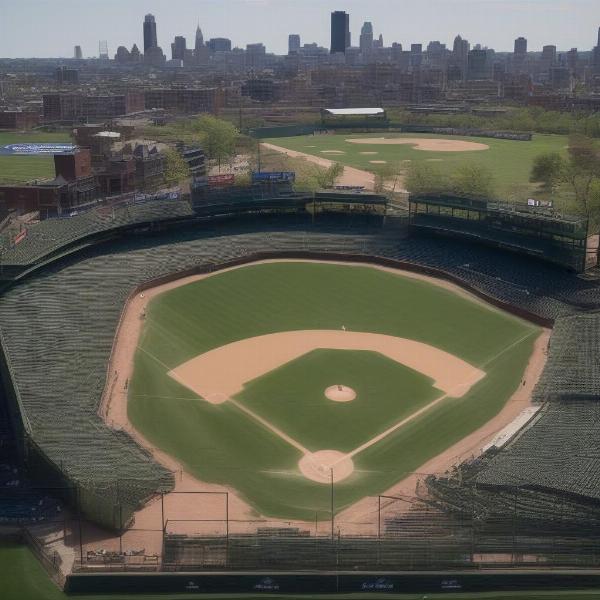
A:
x: 320, y: 466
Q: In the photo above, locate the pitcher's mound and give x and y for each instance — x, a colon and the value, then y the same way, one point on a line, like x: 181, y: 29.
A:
x: 340, y: 393
x: 320, y: 466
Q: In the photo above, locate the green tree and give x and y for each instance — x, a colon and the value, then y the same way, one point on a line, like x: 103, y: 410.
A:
x: 218, y: 137
x: 424, y: 178
x: 473, y: 181
x: 547, y: 169
x: 326, y: 178
x: 582, y: 175
x: 176, y: 169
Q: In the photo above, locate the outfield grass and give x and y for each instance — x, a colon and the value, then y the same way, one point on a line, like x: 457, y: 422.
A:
x: 509, y: 160
x: 16, y: 169
x: 218, y: 443
x: 23, y: 578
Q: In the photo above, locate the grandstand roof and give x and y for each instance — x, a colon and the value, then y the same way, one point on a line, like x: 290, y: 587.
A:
x: 354, y: 111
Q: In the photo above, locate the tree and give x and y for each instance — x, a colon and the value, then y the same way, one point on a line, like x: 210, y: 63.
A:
x: 473, y: 181
x: 218, y: 137
x: 382, y: 173
x: 547, y: 169
x: 176, y: 169
x: 326, y: 178
x: 582, y: 174
x: 424, y: 178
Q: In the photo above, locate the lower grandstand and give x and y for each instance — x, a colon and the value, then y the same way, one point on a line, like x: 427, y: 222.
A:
x: 65, y: 290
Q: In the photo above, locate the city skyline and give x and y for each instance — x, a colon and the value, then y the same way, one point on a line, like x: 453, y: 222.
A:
x: 491, y: 23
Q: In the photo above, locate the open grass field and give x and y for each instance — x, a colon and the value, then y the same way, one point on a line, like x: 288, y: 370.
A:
x: 23, y: 578
x: 16, y: 169
x: 510, y: 161
x: 255, y: 440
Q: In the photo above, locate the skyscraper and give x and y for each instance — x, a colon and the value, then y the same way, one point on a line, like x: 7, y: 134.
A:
x: 150, y: 40
x: 366, y: 37
x: 293, y: 43
x: 77, y: 53
x: 199, y: 42
x: 520, y: 46
x: 340, y: 31
x: 178, y: 48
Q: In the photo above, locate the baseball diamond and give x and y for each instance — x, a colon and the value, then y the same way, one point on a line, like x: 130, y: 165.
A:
x: 230, y: 373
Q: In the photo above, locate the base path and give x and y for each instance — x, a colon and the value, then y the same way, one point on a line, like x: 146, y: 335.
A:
x: 350, y: 176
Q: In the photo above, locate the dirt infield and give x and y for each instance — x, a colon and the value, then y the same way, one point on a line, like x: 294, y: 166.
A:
x: 426, y: 144
x: 221, y: 373
x: 114, y: 410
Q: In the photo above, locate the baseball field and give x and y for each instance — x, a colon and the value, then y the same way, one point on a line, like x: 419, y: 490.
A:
x: 18, y: 169
x: 510, y: 161
x: 277, y: 379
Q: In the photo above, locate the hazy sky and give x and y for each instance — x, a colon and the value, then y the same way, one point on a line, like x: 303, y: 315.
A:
x: 52, y: 27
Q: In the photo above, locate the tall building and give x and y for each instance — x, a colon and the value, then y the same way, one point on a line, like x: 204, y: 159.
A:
x: 366, y: 37
x: 135, y: 54
x: 219, y: 45
x: 549, y: 54
x: 416, y: 55
x: 520, y: 46
x: 477, y: 64
x: 103, y: 49
x: 293, y: 43
x: 178, y: 48
x: 199, y: 41
x: 340, y: 31
x: 77, y: 53
x: 460, y: 54
x: 150, y: 40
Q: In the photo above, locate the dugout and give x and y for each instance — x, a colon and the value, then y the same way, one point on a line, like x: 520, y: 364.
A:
x: 563, y: 239
x: 354, y: 118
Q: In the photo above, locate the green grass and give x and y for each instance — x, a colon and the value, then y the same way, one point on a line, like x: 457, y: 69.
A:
x: 218, y: 443
x: 17, y: 169
x: 510, y: 161
x: 23, y: 578
x: 291, y: 397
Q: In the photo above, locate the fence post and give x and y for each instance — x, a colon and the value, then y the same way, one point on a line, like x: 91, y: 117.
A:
x: 332, y: 518
x: 227, y: 529
x: 378, y: 529
x: 80, y: 526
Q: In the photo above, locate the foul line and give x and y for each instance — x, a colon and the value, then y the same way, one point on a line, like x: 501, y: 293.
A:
x: 270, y: 427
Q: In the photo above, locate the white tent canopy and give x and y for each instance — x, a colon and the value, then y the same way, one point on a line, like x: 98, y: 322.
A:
x: 354, y: 111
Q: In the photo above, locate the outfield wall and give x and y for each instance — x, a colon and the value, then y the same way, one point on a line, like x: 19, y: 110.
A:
x: 333, y: 582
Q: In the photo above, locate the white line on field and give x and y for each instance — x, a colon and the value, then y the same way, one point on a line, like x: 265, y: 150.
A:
x: 271, y: 427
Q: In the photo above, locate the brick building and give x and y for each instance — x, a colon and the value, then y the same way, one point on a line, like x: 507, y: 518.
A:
x: 185, y: 100
x: 78, y: 107
x: 73, y: 185
x: 18, y: 119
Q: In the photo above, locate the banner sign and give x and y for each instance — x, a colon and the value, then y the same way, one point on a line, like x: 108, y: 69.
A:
x: 289, y: 176
x: 221, y: 180
x: 33, y: 149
